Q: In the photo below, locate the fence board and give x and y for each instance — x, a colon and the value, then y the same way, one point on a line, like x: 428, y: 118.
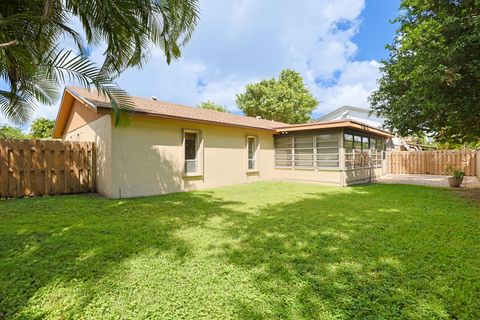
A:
x: 431, y: 162
x: 43, y: 167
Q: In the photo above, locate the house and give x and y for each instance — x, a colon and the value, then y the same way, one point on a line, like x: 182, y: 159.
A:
x: 353, y: 113
x: 363, y: 115
x: 168, y: 147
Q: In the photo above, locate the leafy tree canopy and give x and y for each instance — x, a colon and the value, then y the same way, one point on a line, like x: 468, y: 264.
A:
x: 458, y: 146
x: 9, y: 132
x: 285, y: 100
x: 212, y: 106
x: 34, y: 67
x: 431, y: 80
x: 42, y: 128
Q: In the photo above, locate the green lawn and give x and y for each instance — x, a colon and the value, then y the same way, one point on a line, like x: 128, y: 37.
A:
x: 265, y: 250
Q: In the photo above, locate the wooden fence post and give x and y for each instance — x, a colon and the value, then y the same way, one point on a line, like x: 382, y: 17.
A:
x: 477, y: 156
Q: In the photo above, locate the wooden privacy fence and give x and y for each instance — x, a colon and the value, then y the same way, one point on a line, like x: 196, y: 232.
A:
x: 431, y: 162
x: 46, y: 167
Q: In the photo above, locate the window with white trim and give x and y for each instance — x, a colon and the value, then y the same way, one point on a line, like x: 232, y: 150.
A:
x: 191, y: 143
x: 252, y: 153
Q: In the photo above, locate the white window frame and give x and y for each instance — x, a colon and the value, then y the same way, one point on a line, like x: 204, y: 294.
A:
x: 255, y: 161
x: 198, y: 154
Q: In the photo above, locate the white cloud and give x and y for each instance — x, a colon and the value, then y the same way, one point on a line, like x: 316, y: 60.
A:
x: 249, y: 40
x: 355, y: 84
x: 365, y: 72
x: 237, y: 42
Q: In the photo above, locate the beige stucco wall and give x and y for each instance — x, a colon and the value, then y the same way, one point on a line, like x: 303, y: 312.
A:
x: 337, y: 177
x: 98, y: 131
x: 80, y: 115
x: 310, y: 175
x: 147, y: 157
x: 355, y: 176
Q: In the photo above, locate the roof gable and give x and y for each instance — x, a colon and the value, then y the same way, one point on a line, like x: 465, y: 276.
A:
x: 340, y: 111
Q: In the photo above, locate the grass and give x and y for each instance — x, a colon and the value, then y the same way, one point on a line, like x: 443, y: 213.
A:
x: 264, y: 250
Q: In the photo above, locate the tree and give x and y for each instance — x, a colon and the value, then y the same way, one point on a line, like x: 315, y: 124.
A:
x: 42, y: 128
x: 431, y: 80
x: 34, y: 66
x: 212, y: 106
x: 458, y: 146
x: 285, y: 100
x: 9, y: 132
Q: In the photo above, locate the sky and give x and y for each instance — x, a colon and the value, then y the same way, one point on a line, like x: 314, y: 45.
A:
x: 336, y: 45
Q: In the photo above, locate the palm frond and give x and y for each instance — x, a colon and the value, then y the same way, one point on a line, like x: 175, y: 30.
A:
x: 17, y: 106
x: 34, y: 69
x: 64, y: 66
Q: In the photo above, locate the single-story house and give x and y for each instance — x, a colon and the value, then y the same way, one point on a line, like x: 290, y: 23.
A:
x: 168, y: 147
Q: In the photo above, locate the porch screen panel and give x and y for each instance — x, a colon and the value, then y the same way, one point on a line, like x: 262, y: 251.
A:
x: 348, y: 142
x: 327, y: 146
x: 283, y: 151
x: 363, y: 151
x: 304, y: 152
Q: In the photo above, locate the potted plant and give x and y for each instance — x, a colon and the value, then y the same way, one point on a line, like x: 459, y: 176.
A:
x: 456, y: 178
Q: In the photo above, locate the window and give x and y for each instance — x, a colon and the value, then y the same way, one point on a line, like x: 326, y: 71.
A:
x: 361, y: 142
x: 314, y: 151
x: 191, y: 152
x: 348, y: 143
x: 252, y: 150
x: 362, y: 150
x: 365, y: 143
x: 357, y: 142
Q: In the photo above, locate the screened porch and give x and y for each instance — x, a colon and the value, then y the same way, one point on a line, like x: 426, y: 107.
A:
x: 352, y: 154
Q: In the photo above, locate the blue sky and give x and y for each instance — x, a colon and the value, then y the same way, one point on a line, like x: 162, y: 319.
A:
x: 375, y: 30
x: 335, y: 44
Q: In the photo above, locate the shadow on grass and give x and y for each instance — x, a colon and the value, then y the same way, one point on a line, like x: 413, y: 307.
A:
x: 361, y: 254
x: 309, y: 252
x: 82, y: 238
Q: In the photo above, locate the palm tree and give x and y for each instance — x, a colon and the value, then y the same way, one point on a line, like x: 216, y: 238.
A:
x: 33, y: 66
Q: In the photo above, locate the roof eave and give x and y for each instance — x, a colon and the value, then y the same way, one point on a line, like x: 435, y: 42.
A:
x: 162, y: 116
x: 78, y: 96
x: 334, y: 125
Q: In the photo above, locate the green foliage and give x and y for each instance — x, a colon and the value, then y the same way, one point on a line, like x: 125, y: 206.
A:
x: 9, y: 132
x: 285, y: 100
x: 458, y: 146
x: 42, y: 128
x: 431, y: 80
x: 259, y: 251
x: 34, y: 67
x: 212, y: 106
x: 455, y: 172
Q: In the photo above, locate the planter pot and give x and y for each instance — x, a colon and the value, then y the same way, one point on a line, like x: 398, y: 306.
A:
x: 455, y: 182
